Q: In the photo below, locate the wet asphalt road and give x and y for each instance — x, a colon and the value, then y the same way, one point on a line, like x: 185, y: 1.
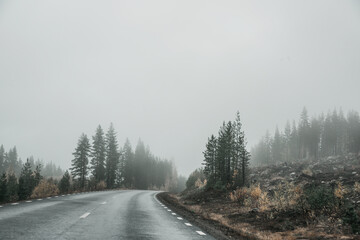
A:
x: 128, y: 214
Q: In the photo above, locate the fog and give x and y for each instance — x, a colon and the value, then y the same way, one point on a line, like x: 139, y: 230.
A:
x: 169, y: 72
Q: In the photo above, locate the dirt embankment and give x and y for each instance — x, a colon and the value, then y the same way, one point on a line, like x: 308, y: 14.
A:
x: 217, y: 213
x: 215, y: 228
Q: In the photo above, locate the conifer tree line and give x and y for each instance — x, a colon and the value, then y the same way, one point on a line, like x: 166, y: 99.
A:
x: 100, y: 163
x: 312, y: 138
x: 226, y: 158
x: 18, y: 180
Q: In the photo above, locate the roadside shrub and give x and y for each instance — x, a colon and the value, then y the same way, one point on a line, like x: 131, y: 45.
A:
x: 45, y: 189
x: 320, y: 198
x: 252, y: 197
x: 287, y: 196
x: 357, y: 187
x: 101, y: 185
x: 351, y: 217
x: 194, y: 176
x: 239, y: 195
x: 340, y: 191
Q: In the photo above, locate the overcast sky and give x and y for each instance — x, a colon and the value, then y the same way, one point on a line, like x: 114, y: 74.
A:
x: 169, y: 72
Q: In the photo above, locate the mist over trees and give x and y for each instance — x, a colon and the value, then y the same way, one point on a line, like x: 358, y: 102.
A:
x: 226, y: 159
x: 114, y: 167
x: 18, y: 179
x: 311, y: 138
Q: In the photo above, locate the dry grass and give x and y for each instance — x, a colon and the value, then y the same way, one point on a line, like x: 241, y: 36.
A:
x: 357, y: 187
x: 287, y: 196
x: 340, y: 191
x: 308, y: 172
x: 101, y: 185
x: 45, y: 189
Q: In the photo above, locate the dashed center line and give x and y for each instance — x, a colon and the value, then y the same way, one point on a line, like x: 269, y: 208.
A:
x: 63, y: 195
x: 201, y: 233
x: 188, y: 224
x: 165, y: 207
x: 14, y: 203
x: 179, y: 218
x: 85, y: 215
x: 169, y: 210
x: 173, y: 213
x: 39, y: 199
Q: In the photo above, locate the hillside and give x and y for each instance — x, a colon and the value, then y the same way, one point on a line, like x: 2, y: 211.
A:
x: 301, y: 200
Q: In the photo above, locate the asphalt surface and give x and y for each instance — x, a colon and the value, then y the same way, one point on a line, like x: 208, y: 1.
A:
x: 128, y: 214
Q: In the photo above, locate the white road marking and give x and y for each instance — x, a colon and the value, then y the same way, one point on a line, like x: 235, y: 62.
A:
x: 14, y: 203
x: 39, y: 199
x: 63, y: 195
x: 48, y: 197
x: 85, y: 215
x: 0, y: 206
x: 56, y: 196
x: 179, y: 218
x: 201, y: 233
x: 188, y: 224
x: 29, y: 201
x: 103, y: 203
x: 165, y: 207
x: 169, y: 210
x: 173, y: 213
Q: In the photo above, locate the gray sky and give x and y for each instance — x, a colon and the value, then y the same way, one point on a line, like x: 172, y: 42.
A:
x: 169, y: 72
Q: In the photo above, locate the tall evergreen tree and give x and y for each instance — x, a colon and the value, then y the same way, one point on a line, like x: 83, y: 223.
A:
x: 12, y: 187
x: 98, y: 155
x: 3, y: 188
x: 241, y: 155
x: 225, y: 153
x: 210, y: 168
x: 64, y: 184
x: 140, y: 166
x: 277, y: 146
x: 128, y: 160
x: 80, y: 162
x: 26, y: 182
x: 112, y: 156
x: 2, y: 160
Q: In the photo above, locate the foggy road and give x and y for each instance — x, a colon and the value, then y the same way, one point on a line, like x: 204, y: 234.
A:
x: 128, y: 214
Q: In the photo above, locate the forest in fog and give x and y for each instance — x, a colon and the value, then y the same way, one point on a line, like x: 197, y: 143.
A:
x: 311, y: 138
x: 103, y: 164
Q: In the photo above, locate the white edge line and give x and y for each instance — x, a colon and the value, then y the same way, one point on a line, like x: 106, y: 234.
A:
x: 13, y: 204
x: 179, y: 218
x: 201, y: 233
x: 188, y: 224
x: 85, y: 215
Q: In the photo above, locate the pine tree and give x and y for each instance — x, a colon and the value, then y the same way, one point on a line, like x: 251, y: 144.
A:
x: 225, y: 154
x: 80, y: 162
x: 210, y: 161
x: 2, y: 160
x: 112, y: 156
x: 277, y: 146
x: 37, y: 174
x: 26, y: 182
x: 3, y: 188
x: 12, y: 187
x: 98, y: 155
x: 140, y: 166
x: 64, y: 185
x: 128, y: 160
